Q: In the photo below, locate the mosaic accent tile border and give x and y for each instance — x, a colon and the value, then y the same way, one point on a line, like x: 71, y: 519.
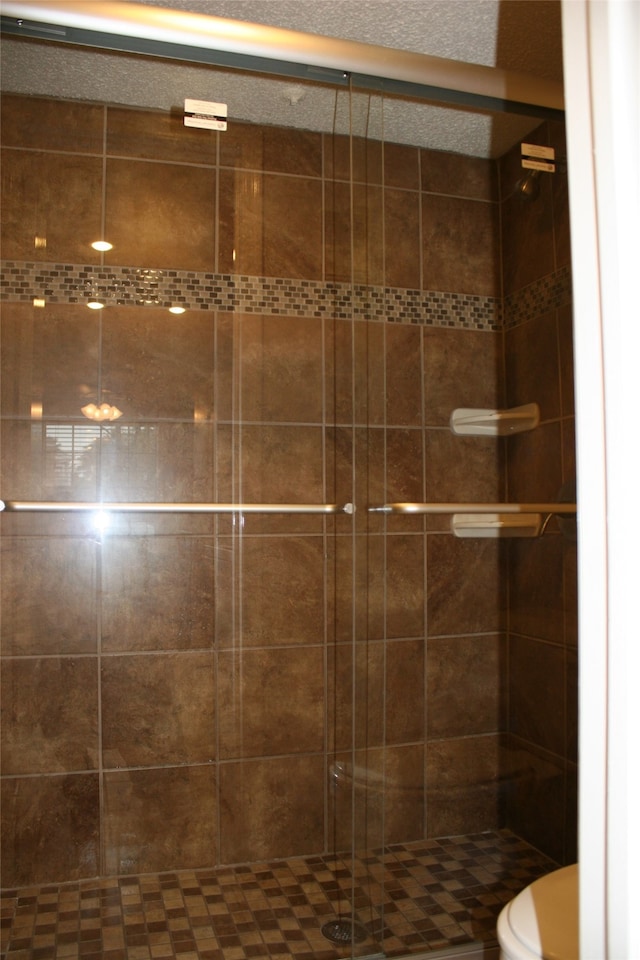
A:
x: 417, y: 897
x: 21, y: 281
x: 128, y: 286
x: 541, y: 296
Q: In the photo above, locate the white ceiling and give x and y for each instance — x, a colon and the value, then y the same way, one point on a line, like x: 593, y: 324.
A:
x: 520, y: 35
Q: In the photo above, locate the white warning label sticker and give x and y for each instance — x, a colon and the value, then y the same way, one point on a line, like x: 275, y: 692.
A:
x: 205, y: 114
x: 537, y: 150
x: 534, y: 156
x: 528, y: 164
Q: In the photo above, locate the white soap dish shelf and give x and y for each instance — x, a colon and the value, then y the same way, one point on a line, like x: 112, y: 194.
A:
x: 496, y: 525
x: 465, y: 421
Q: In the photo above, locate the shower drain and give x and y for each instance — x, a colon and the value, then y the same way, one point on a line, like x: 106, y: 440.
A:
x: 344, y: 931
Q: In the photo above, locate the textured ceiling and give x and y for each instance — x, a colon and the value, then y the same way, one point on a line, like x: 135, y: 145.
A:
x: 521, y: 35
x: 516, y: 35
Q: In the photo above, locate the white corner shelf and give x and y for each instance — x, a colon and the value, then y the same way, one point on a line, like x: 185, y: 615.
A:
x: 467, y: 422
x: 496, y: 525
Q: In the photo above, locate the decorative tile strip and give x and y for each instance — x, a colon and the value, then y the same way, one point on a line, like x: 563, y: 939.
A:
x: 23, y: 281
x: 543, y: 295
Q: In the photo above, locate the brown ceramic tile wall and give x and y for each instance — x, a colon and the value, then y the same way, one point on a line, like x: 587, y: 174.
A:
x: 542, y: 716
x: 207, y: 665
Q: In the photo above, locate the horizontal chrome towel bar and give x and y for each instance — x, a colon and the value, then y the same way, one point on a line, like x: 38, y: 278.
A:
x: 63, y: 506
x: 414, y: 508
x: 58, y: 506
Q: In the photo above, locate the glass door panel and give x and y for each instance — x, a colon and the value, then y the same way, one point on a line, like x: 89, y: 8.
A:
x: 203, y: 354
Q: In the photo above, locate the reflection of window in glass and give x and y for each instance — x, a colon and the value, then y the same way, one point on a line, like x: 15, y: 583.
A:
x: 69, y: 454
x: 74, y: 456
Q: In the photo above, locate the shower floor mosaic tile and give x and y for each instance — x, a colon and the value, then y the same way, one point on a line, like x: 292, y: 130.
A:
x: 407, y: 898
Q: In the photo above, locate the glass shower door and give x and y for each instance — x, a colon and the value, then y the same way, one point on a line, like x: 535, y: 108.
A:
x: 180, y: 677
x: 298, y: 755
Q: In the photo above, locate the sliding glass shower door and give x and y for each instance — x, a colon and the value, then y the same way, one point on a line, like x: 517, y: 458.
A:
x: 223, y: 352
x: 188, y: 676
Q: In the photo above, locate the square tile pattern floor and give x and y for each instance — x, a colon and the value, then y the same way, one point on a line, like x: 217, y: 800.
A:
x: 405, y: 898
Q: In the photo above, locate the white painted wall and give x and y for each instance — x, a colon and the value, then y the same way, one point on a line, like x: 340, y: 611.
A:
x: 602, y: 85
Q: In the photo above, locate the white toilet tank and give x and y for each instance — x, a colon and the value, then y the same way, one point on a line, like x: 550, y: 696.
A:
x: 542, y: 921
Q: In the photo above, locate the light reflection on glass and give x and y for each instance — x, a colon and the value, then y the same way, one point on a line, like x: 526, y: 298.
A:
x: 104, y: 412
x: 101, y: 520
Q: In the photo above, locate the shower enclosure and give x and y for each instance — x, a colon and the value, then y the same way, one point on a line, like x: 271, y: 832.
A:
x: 248, y: 660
